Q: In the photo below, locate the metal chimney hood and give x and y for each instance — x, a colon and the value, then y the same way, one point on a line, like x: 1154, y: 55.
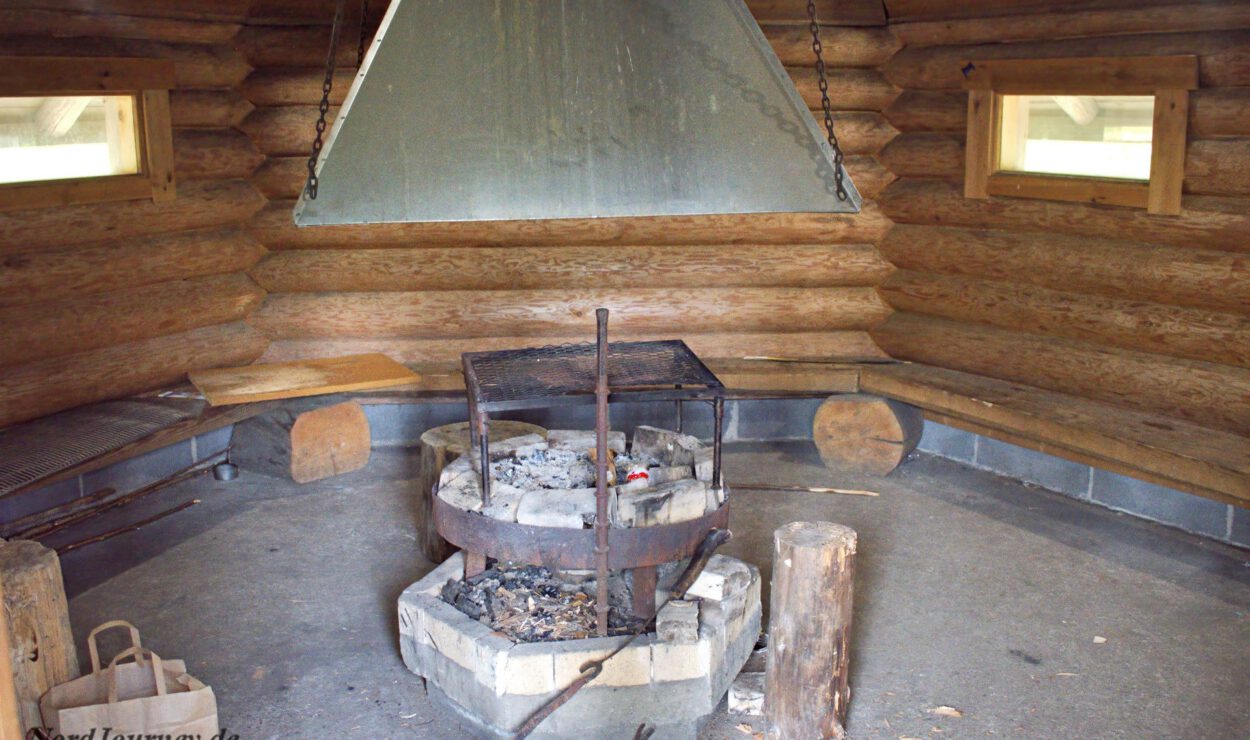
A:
x: 471, y: 110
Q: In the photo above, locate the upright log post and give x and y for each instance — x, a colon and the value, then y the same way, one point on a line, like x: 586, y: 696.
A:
x: 806, y: 691
x: 10, y: 726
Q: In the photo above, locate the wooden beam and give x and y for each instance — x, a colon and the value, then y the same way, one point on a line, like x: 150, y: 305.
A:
x: 1167, y: 158
x: 83, y: 75
x: 1143, y: 75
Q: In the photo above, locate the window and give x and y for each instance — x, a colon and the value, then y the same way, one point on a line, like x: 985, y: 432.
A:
x: 1099, y: 130
x: 84, y: 130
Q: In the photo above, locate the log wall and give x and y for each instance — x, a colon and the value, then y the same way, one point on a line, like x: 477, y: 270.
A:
x: 793, y: 284
x: 1107, y: 303
x: 104, y: 300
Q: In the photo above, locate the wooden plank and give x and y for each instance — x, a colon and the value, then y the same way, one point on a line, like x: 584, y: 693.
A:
x: 832, y: 12
x: 10, y: 728
x: 902, y: 11
x: 1058, y: 25
x: 538, y: 313
x: 195, y: 65
x: 192, y: 10
x: 201, y: 204
x: 534, y: 268
x: 158, y: 159
x: 1083, y: 76
x: 843, y: 47
x: 83, y: 75
x: 1073, y: 189
x: 53, y: 193
x: 1205, y: 221
x: 418, y: 352
x: 274, y: 381
x: 47, y: 386
x: 1133, y: 324
x: 1180, y: 276
x: 1216, y: 396
x: 1167, y: 152
x: 55, y: 274
x: 74, y: 24
x: 981, y: 150
x: 274, y: 228
x: 66, y: 326
x: 1164, y: 450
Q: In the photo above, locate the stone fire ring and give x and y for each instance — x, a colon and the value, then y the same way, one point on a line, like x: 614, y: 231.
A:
x: 496, y: 684
x: 559, y: 547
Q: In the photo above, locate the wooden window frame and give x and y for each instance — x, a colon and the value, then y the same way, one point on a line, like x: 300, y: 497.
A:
x: 147, y: 80
x: 1168, y: 78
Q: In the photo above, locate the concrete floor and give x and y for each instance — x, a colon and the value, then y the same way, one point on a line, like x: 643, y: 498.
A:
x: 973, y: 592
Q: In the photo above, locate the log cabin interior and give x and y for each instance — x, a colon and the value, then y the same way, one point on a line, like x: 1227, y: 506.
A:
x: 980, y: 347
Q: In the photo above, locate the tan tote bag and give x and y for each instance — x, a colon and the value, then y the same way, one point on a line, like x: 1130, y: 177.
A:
x: 150, y: 696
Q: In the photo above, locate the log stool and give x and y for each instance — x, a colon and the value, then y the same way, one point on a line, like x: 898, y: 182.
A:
x: 866, y: 435
x: 440, y: 446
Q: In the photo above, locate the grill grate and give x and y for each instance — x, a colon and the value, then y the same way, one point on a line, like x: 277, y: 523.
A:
x: 548, y: 372
x: 37, y: 449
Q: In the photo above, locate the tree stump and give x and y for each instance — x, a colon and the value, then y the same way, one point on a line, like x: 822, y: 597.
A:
x: 41, y: 645
x: 806, y: 691
x: 868, y: 435
x: 302, y: 442
x: 440, y: 446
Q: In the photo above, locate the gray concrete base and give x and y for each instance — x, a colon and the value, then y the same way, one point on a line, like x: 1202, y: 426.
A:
x: 1128, y: 495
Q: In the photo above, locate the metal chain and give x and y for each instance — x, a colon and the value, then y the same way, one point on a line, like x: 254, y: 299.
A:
x: 825, y: 105
x: 364, y: 24
x: 311, y: 187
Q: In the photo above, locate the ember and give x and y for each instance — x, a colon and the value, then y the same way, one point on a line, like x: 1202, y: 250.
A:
x: 529, y: 604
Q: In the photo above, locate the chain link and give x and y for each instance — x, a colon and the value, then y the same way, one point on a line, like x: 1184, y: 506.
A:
x: 324, y: 108
x: 826, y: 106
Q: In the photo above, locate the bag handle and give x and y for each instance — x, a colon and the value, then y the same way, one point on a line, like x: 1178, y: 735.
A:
x: 135, y: 644
x: 158, y: 671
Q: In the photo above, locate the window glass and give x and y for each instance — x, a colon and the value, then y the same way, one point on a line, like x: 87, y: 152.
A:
x: 1085, y: 135
x: 58, y: 138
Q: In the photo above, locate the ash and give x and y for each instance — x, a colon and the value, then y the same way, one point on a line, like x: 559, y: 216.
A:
x: 554, y: 469
x: 529, y: 604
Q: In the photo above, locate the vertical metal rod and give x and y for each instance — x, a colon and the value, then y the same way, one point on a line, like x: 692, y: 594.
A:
x: 681, y: 421
x: 718, y: 409
x: 601, y: 477
x: 483, y: 446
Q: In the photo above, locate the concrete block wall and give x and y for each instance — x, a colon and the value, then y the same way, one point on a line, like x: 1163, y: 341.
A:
x: 1094, y: 485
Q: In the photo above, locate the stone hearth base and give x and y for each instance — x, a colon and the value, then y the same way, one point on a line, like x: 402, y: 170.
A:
x: 496, y: 684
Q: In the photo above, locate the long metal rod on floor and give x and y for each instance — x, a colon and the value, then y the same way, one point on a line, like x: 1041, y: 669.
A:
x: 601, y: 483
x: 128, y: 528
x: 804, y: 489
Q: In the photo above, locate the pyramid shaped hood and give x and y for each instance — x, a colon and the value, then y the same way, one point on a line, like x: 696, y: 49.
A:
x: 471, y: 110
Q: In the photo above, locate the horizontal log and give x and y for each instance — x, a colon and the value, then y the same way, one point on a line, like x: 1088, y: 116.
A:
x: 47, y: 386
x: 929, y: 110
x: 1085, y: 23
x: 1205, y: 221
x: 66, y: 326
x: 199, y: 204
x: 473, y: 313
x: 193, y: 10
x: 862, y: 132
x: 280, y: 178
x: 869, y: 176
x: 849, y: 88
x: 1216, y: 396
x: 214, y: 154
x: 1219, y: 112
x: 1182, y: 276
x: 295, y: 86
x: 843, y: 47
x: 294, y: 46
x: 1222, y: 56
x: 195, y: 66
x: 1192, y: 333
x: 813, y: 345
x: 832, y: 12
x: 925, y: 155
x: 1218, y: 166
x: 273, y: 227
x: 53, y: 274
x: 901, y: 11
x: 285, y: 130
x: 207, y: 108
x: 73, y: 24
x: 535, y: 268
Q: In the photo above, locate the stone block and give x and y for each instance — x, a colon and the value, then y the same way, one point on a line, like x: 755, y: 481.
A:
x: 583, y: 440
x: 677, y: 622
x: 746, y: 694
x: 949, y: 442
x: 664, y: 446
x: 463, y: 492
x: 703, y: 458
x: 531, y: 670
x: 630, y: 667
x: 1045, y: 470
x: 670, y: 662
x: 569, y: 508
x: 679, y: 501
x: 504, y: 502
x: 669, y: 474
x: 1189, y: 512
x: 721, y: 578
x: 457, y: 468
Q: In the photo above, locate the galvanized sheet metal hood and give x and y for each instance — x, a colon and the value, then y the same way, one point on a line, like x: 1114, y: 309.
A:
x: 469, y: 110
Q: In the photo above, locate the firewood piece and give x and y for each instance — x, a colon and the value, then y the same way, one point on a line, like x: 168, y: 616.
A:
x: 440, y: 446
x: 865, y: 434
x: 806, y: 691
x: 41, y: 653
x: 306, y: 444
